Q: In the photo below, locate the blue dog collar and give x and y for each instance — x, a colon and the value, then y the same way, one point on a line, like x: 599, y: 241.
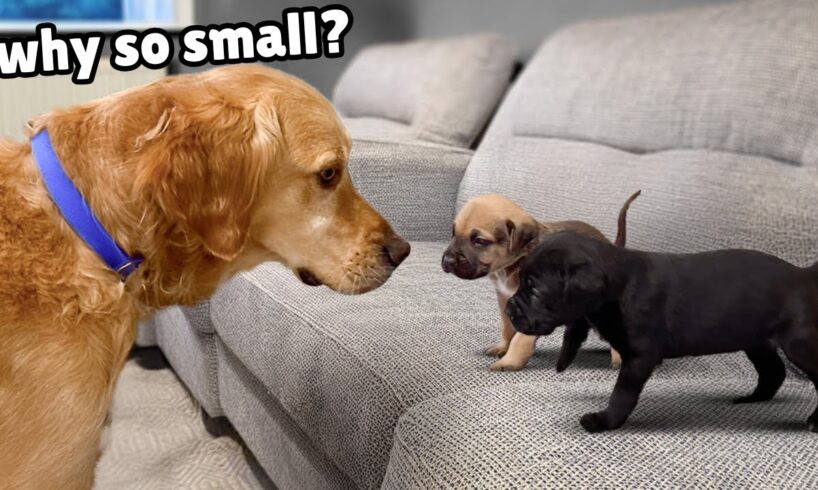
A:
x: 75, y: 209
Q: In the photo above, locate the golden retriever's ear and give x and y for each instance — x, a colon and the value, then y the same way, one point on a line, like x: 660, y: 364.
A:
x: 267, y: 129
x: 204, y: 171
x: 34, y: 125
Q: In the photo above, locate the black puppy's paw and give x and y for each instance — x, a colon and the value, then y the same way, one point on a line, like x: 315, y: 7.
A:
x: 563, y: 363
x: 594, y: 422
x: 812, y: 423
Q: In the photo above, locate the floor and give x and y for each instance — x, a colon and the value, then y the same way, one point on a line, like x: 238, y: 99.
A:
x: 158, y: 438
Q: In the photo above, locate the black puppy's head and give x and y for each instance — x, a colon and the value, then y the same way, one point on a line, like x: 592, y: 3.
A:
x: 562, y: 280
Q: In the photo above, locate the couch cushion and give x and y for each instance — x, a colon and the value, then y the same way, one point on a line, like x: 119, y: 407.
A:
x: 722, y: 143
x: 280, y: 446
x: 739, y: 77
x: 199, y: 316
x: 146, y: 333
x: 444, y: 89
x: 380, y: 130
x: 681, y: 435
x: 191, y: 353
x: 388, y: 167
x: 345, y: 368
x: 692, y: 200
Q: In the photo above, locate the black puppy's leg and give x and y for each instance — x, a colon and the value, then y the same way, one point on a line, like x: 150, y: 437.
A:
x: 803, y: 352
x: 633, y: 375
x: 771, y: 373
x: 575, y: 335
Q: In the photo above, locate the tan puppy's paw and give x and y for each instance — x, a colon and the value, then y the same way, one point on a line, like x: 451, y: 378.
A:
x: 519, y: 352
x: 506, y: 364
x: 497, y: 350
x: 616, y: 359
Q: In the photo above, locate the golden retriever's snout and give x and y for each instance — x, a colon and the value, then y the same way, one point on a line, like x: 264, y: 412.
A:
x: 397, y: 249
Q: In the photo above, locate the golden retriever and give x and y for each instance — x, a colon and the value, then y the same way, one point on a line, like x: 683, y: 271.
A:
x: 203, y: 175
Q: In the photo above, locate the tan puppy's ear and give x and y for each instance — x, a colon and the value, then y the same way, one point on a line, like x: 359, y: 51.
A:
x: 202, y: 170
x: 519, y: 237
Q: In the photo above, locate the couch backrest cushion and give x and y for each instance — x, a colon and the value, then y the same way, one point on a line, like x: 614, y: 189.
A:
x: 740, y: 77
x: 445, y: 89
x: 712, y: 112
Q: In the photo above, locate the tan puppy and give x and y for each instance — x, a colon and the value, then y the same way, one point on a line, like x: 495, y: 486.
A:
x: 203, y: 175
x: 491, y: 235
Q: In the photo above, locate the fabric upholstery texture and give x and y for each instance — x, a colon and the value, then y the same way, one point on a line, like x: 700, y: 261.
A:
x: 380, y: 130
x: 738, y: 77
x: 146, y: 333
x: 390, y: 174
x: 444, y: 89
x: 198, y: 316
x: 598, y: 89
x: 286, y: 454
x: 681, y: 435
x: 192, y: 354
x: 692, y: 200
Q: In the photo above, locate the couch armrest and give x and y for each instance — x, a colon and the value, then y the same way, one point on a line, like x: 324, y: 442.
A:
x: 413, y: 185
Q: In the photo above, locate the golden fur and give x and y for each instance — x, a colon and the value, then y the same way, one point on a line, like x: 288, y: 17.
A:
x: 203, y: 175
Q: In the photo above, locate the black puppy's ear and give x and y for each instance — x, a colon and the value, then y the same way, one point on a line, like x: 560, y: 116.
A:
x: 519, y: 237
x: 584, y: 279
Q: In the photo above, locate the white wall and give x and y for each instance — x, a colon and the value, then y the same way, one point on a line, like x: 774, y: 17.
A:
x: 23, y: 98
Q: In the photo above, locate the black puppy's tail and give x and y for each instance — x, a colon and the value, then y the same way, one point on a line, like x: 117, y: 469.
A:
x: 621, y: 231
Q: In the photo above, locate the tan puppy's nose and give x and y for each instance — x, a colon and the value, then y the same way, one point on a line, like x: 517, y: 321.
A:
x: 448, y: 262
x: 397, y: 249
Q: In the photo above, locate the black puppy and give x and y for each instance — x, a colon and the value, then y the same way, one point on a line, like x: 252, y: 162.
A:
x: 651, y: 306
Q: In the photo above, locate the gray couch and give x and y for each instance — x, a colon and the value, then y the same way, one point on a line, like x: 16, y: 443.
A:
x: 711, y: 112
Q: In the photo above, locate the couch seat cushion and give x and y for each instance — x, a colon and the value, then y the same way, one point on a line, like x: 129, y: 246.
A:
x: 346, y: 367
x: 681, y: 435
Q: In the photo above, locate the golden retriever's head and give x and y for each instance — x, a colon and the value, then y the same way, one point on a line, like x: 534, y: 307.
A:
x: 235, y: 166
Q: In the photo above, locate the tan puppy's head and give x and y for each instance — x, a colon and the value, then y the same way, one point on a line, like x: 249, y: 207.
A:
x: 489, y: 234
x: 222, y: 170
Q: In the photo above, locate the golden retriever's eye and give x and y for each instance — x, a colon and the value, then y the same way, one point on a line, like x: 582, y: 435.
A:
x: 328, y: 176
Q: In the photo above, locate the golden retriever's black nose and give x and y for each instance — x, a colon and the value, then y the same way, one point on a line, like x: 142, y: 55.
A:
x: 397, y: 249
